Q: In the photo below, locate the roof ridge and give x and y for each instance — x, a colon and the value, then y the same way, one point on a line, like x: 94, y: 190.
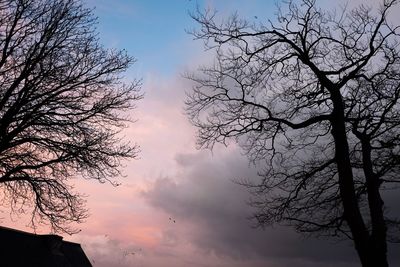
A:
x: 38, y: 235
x: 17, y: 230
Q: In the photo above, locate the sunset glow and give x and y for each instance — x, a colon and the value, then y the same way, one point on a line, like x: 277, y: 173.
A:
x: 176, y: 205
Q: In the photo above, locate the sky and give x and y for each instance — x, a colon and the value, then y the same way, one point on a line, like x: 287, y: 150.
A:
x: 177, y: 205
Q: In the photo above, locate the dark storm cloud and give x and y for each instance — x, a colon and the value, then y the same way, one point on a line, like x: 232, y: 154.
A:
x: 204, y: 196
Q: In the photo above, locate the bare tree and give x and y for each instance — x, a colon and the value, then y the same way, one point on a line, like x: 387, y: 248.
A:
x: 62, y: 106
x: 315, y: 96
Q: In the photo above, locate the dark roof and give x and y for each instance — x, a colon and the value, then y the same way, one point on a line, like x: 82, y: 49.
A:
x: 22, y: 249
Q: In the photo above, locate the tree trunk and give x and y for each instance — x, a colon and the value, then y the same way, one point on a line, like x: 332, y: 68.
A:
x: 352, y: 214
x: 378, y: 246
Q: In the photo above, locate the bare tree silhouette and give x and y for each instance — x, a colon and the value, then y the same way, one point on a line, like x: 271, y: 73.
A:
x: 62, y: 106
x: 316, y: 97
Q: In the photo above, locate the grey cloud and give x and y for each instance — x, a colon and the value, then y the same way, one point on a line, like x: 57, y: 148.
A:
x: 105, y: 252
x: 204, y: 196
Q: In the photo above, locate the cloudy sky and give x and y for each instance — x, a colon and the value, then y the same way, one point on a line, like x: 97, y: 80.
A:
x: 177, y: 206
